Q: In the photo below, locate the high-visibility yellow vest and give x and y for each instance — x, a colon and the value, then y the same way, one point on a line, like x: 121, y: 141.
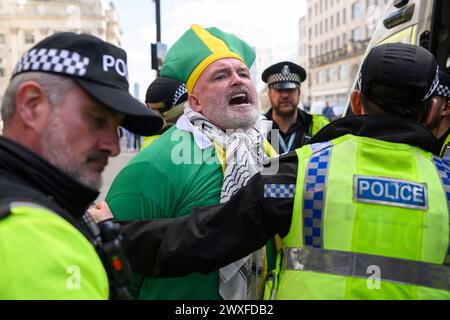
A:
x: 445, y: 151
x: 318, y: 122
x: 370, y: 221
x: 42, y: 256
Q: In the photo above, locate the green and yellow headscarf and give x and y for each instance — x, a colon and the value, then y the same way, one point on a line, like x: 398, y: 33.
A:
x: 198, y: 48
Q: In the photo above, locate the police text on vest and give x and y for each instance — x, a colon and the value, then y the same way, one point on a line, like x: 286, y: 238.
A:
x: 390, y: 192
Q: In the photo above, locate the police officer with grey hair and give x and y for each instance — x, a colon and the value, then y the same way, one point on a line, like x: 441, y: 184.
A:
x: 294, y: 126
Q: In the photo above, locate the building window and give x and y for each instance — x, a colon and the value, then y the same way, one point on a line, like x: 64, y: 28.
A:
x: 344, y: 16
x: 343, y: 72
x: 321, y: 77
x: 29, y: 37
x: 356, y: 10
x: 330, y: 74
x: 356, y: 34
x: 338, y: 19
x: 2, y: 38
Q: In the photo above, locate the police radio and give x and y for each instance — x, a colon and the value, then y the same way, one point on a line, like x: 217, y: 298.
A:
x: 114, y: 259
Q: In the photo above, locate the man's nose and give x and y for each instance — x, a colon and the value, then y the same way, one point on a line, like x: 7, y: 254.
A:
x: 236, y: 79
x: 110, y: 142
x: 285, y: 93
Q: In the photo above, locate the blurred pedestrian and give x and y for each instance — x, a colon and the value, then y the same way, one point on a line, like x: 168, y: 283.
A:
x: 61, y: 113
x: 328, y: 112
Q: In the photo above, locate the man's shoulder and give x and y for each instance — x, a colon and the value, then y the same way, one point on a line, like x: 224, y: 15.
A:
x: 61, y: 248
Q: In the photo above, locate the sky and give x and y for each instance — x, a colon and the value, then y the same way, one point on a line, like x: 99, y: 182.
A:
x: 261, y: 23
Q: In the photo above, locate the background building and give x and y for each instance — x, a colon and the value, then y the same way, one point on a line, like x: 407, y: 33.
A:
x: 23, y: 23
x: 333, y: 37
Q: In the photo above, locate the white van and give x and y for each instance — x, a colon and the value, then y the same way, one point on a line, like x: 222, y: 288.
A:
x: 421, y: 22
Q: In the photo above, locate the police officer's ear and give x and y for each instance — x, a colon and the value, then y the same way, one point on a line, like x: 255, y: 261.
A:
x: 355, y: 100
x: 32, y: 106
x: 437, y: 109
x: 446, y: 111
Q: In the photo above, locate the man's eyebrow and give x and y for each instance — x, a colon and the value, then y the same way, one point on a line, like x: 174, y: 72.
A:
x: 221, y: 69
x: 239, y: 69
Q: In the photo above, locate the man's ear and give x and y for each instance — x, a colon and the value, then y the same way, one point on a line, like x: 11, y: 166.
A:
x: 434, y: 114
x: 446, y: 111
x: 195, y: 103
x: 32, y: 105
x: 355, y: 100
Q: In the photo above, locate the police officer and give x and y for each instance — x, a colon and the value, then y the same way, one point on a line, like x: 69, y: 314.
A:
x: 294, y: 126
x: 167, y: 97
x: 61, y: 112
x: 443, y: 94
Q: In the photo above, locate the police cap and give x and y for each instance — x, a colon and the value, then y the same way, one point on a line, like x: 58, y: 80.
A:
x: 284, y: 75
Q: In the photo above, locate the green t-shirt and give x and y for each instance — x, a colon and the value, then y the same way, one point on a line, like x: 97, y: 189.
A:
x: 167, y: 180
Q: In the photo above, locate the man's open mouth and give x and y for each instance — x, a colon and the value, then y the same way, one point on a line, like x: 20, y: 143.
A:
x: 239, y: 98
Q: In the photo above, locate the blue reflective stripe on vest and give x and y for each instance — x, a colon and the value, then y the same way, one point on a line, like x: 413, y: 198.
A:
x: 443, y: 168
x: 314, y: 198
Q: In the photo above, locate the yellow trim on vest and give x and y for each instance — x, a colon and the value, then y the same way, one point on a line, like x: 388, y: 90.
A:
x: 219, y: 50
x: 444, y: 146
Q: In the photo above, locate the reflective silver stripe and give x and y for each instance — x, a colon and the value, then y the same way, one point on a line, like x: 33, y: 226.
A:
x: 356, y: 265
x: 15, y: 204
x: 5, y: 209
x: 443, y: 170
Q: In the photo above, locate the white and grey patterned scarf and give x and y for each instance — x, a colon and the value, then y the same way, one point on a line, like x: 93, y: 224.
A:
x: 245, y: 156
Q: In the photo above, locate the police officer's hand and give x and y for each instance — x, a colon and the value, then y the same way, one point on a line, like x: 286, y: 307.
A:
x: 100, y: 212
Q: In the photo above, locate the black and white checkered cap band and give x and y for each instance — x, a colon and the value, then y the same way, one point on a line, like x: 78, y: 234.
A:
x: 53, y: 60
x: 433, y: 87
x: 179, y: 93
x: 280, y: 77
x: 443, y: 91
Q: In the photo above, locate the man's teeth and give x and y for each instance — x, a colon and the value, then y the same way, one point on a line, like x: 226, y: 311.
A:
x: 239, y: 95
